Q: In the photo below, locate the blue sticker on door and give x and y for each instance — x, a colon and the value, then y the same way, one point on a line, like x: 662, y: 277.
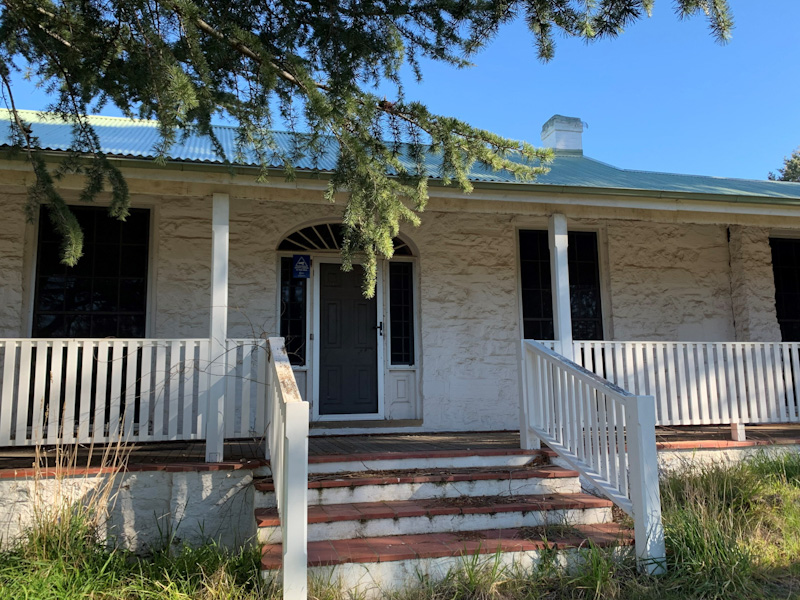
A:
x: 301, y: 266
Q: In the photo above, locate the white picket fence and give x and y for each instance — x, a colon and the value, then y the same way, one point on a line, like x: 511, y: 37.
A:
x: 138, y: 390
x: 288, y: 456
x: 603, y: 432
x: 703, y: 383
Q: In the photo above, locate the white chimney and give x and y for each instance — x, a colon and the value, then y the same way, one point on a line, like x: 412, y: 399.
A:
x: 563, y: 133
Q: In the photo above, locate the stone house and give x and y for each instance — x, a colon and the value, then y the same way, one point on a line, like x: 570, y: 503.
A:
x: 651, y: 257
x: 653, y: 299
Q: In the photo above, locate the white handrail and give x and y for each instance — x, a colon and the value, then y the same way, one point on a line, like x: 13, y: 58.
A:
x: 288, y: 455
x: 603, y: 432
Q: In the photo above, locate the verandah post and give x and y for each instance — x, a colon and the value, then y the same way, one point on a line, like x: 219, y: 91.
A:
x: 644, y: 493
x: 215, y: 422
x: 559, y: 274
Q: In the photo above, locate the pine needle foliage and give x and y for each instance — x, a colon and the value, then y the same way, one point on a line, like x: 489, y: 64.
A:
x: 790, y: 170
x: 318, y: 68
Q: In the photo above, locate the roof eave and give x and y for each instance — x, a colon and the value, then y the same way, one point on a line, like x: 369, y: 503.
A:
x: 519, y: 187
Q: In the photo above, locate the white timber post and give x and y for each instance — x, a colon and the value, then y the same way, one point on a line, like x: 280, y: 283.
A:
x: 527, y: 439
x: 645, y: 494
x: 559, y: 274
x: 295, y: 504
x: 215, y: 422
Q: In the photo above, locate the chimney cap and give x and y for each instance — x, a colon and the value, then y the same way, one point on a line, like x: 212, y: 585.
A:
x: 563, y: 133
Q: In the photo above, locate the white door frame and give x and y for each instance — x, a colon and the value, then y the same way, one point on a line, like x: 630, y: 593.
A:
x: 316, y: 261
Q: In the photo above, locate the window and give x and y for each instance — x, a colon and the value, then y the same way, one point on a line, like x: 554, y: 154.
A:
x: 105, y: 294
x: 401, y: 313
x: 584, y: 285
x: 293, y: 313
x: 786, y: 267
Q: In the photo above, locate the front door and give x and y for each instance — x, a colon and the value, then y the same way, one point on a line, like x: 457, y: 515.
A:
x: 348, y: 345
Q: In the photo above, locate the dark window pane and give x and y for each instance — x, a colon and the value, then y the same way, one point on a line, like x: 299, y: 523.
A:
x: 106, y: 260
x: 103, y: 325
x: 293, y: 313
x: 47, y: 325
x: 132, y: 295
x: 49, y: 260
x: 78, y: 294
x: 401, y: 313
x: 133, y: 262
x: 537, y: 294
x: 51, y: 293
x: 110, y: 278
x: 105, y: 294
x: 786, y: 269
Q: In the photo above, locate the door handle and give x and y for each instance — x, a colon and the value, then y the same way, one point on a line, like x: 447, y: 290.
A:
x: 379, y: 327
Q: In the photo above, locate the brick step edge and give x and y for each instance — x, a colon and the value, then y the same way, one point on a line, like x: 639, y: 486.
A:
x: 364, y: 511
x: 337, y: 480
x: 436, y: 545
x: 373, y: 456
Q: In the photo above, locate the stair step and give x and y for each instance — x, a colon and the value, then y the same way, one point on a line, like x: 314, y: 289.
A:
x: 382, y: 486
x: 372, y: 519
x: 432, y: 459
x: 437, y: 545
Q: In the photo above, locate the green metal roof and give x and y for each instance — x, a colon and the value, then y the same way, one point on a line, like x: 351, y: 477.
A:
x: 127, y: 138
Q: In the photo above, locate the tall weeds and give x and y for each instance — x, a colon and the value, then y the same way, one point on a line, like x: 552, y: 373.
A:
x: 732, y: 532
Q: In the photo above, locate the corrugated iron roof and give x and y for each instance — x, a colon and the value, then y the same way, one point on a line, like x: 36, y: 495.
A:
x: 128, y: 138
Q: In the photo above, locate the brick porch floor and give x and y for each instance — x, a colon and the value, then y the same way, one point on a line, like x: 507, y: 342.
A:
x: 244, y: 450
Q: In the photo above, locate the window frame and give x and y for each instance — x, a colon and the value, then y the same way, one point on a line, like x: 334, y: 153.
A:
x: 31, y: 259
x: 601, y: 232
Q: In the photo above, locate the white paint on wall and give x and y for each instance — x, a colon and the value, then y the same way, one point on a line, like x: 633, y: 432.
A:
x: 147, y: 509
x: 753, y: 285
x: 669, y: 281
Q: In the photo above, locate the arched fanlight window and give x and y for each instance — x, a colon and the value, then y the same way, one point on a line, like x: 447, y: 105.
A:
x: 327, y: 236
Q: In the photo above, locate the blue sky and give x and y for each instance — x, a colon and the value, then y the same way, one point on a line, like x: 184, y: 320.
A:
x: 663, y: 96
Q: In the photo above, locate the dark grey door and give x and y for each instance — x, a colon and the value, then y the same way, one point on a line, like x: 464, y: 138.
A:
x: 348, y: 346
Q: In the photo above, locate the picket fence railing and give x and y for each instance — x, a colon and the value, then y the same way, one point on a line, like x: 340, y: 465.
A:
x: 703, y: 383
x: 603, y: 432
x: 70, y: 391
x: 288, y: 456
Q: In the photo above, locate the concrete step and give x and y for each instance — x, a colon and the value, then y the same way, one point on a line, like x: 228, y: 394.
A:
x: 468, y: 513
x: 433, y: 459
x: 372, y: 566
x: 384, y: 486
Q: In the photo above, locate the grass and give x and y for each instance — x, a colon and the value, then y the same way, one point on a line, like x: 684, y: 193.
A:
x: 732, y: 532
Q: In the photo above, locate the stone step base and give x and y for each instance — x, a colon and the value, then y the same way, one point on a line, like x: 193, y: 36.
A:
x: 407, y: 517
x: 384, y: 486
x: 373, y: 566
x: 433, y: 459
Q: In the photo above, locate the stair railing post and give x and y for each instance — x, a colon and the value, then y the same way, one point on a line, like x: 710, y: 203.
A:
x: 527, y: 438
x: 645, y: 493
x: 295, y: 506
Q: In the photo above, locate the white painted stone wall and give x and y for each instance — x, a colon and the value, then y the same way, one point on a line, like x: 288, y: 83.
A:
x: 148, y: 508
x: 182, y: 268
x: 672, y: 460
x: 12, y: 239
x: 753, y: 285
x: 669, y: 281
x: 469, y: 321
